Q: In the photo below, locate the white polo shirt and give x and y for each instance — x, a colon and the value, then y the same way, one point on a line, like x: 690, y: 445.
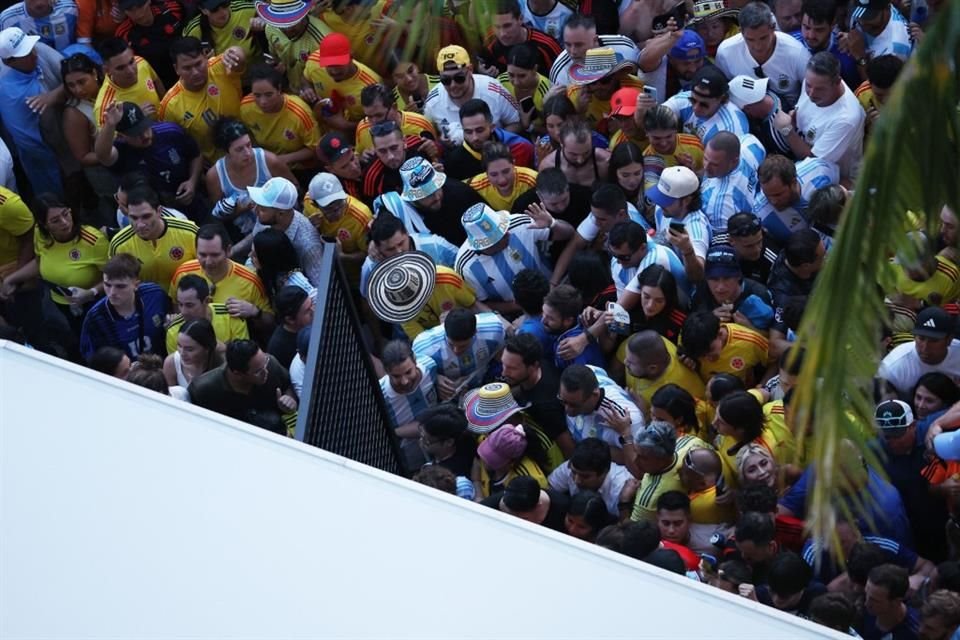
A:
x: 785, y: 68
x: 445, y: 115
x: 835, y: 133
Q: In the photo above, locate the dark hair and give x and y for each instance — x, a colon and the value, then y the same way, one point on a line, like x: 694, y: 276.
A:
x: 659, y: 118
x: 201, y: 331
x: 106, y: 359
x: 552, y: 181
x: 756, y: 14
x: 197, y: 283
x: 266, y: 72
x: 240, y: 353
x: 228, y: 130
x: 495, y: 150
x: 723, y: 384
x: 287, y: 302
x: 523, y: 55
x: 576, y: 127
x: 558, y: 105
x: 579, y: 377
x: 385, y: 226
x: 677, y: 402
x: 629, y: 232
x: 884, y: 70
x: 777, y: 166
x: 743, y: 412
x: 41, y: 207
x: 833, y: 610
x: 826, y: 204
x: 504, y: 7
x: 276, y: 256
x: 591, y: 454
x: 530, y: 287
x: 674, y: 501
x: 476, y: 107
x: 863, y: 558
x: 215, y: 230
x: 525, y: 345
x: 625, y: 153
x: 132, y: 179
x: 757, y: 497
x: 825, y: 64
x: 658, y: 276
x: 791, y: 360
x: 141, y: 194
x: 111, y: 47
x: 81, y: 63
x: 948, y: 575
x: 793, y: 311
x: 437, y: 477
x: 396, y: 352
x: 940, y: 385
x: 460, y: 324
x: 788, y: 574
x: 589, y: 505
x: 634, y: 539
x: 725, y: 142
x: 668, y: 560
x: 122, y: 266
x: 580, y: 21
x: 189, y: 46
x: 699, y: 330
x: 609, y: 198
x: 566, y: 300
x: 756, y: 527
x: 444, y: 421
x: 147, y: 372
x: 377, y: 92
x: 590, y: 274
x: 820, y: 11
x: 802, y: 247
x: 893, y: 578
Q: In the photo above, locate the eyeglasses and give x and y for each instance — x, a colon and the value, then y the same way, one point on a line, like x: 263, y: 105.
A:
x: 262, y: 371
x: 619, y: 257
x: 891, y: 422
x: 758, y: 71
x: 384, y: 128
x: 746, y: 229
x: 459, y: 78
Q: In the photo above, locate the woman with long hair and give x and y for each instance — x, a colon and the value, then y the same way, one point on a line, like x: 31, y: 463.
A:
x: 277, y: 264
x: 673, y: 404
x: 196, y: 353
x: 659, y: 303
x: 739, y: 421
x: 587, y: 516
x: 626, y: 171
x: 557, y: 110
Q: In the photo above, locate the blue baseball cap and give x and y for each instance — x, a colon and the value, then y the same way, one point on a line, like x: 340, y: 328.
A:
x: 689, y: 47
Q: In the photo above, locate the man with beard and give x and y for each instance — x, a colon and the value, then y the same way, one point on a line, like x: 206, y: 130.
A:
x: 338, y: 157
x: 409, y: 388
x: 392, y: 149
x: 576, y: 157
x: 476, y: 121
x: 670, y: 59
x: 819, y: 33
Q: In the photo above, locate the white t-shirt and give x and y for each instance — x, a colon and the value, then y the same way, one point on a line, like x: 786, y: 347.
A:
x: 785, y: 68
x: 835, y: 132
x: 562, y: 480
x: 902, y: 366
x: 894, y: 39
x: 560, y: 69
x: 445, y: 115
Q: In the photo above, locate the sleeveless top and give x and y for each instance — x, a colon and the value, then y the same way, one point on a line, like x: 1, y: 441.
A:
x: 238, y: 195
x: 178, y: 366
x: 86, y: 108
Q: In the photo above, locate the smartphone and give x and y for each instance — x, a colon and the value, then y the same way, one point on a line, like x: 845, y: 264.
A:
x: 678, y: 13
x: 527, y: 103
x: 679, y: 227
x: 651, y: 91
x: 64, y: 291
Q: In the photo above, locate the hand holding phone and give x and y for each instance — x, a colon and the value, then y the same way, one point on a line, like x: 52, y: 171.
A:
x: 678, y: 227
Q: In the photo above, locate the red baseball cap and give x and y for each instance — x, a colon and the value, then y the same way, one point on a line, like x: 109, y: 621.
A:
x: 334, y: 50
x: 624, y: 101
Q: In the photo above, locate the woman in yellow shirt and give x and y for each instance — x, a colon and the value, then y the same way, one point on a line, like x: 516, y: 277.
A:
x: 502, y: 181
x: 524, y: 80
x: 222, y: 24
x: 675, y: 405
x: 739, y: 422
x: 501, y: 457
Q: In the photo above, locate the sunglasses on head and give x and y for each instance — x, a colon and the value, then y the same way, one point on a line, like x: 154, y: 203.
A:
x: 746, y: 229
x: 458, y: 78
x: 384, y: 128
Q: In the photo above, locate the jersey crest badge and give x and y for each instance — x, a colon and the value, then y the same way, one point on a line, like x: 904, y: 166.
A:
x: 213, y: 90
x: 176, y: 253
x: 737, y: 363
x: 343, y: 235
x: 74, y: 254
x: 289, y: 135
x: 783, y: 81
x: 239, y: 33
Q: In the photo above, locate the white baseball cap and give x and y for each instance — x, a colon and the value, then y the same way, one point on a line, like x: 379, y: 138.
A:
x: 326, y: 188
x: 14, y: 43
x: 277, y: 193
x: 746, y: 90
x: 675, y: 183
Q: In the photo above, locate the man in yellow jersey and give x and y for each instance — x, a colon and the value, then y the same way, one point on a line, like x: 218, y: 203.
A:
x: 702, y: 477
x: 723, y: 348
x: 651, y: 362
x: 667, y: 147
x: 194, y: 303
x: 16, y: 232
x: 160, y: 243
x: 502, y: 182
x: 128, y: 78
x: 335, y: 214
x: 231, y: 284
x: 921, y: 277
x: 292, y: 35
x: 207, y: 90
x: 360, y: 22
x: 228, y: 23
x: 379, y: 105
x: 335, y: 82
x: 603, y: 72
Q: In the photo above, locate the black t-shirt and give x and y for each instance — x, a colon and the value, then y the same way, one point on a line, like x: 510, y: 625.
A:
x: 457, y: 198
x: 545, y: 409
x: 460, y: 164
x: 576, y: 211
x: 802, y: 609
x: 153, y: 43
x: 784, y: 283
x: 559, y: 505
x: 282, y: 346
x: 259, y: 407
x: 546, y: 47
x: 758, y: 270
x: 461, y: 462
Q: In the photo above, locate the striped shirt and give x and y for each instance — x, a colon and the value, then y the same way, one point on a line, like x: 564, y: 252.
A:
x: 654, y: 485
x: 812, y: 174
x: 654, y: 163
x: 624, y: 45
x: 491, y: 276
x: 345, y: 94
x: 57, y: 30
x: 159, y: 258
x: 588, y: 229
x: 405, y: 407
x: 443, y: 254
x: 894, y: 39
x: 445, y: 114
x: 289, y: 130
x: 612, y: 398
x: 725, y: 196
x: 656, y: 254
x: 411, y: 124
x: 523, y: 180
x: 550, y: 23
x: 727, y: 118
x: 818, y: 556
x: 432, y: 344
x: 697, y: 226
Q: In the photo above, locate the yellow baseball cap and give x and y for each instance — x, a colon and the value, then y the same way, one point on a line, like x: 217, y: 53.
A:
x: 452, y: 54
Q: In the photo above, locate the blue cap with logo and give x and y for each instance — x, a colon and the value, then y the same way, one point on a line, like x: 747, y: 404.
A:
x: 689, y: 47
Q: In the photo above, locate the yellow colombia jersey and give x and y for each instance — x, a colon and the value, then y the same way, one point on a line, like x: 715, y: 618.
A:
x: 196, y: 111
x: 288, y: 131
x: 449, y: 293
x: 778, y: 442
x: 776, y: 415
x: 15, y: 220
x: 236, y: 33
x: 359, y: 30
x: 539, y: 93
x: 240, y: 283
x: 619, y: 138
x: 346, y: 94
x: 597, y: 109
x: 159, y: 258
x: 941, y: 288
x: 654, y: 163
x: 864, y: 94
x: 402, y: 104
x: 652, y: 486
x: 141, y: 93
x: 675, y: 373
x: 294, y: 53
x: 524, y: 179
x: 225, y: 326
x: 705, y: 510
x: 351, y: 229
x: 412, y: 124
x: 743, y: 350
x: 72, y: 264
x: 525, y: 467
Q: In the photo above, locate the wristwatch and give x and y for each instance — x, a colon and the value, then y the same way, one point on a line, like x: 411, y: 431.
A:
x: 625, y: 441
x: 862, y: 61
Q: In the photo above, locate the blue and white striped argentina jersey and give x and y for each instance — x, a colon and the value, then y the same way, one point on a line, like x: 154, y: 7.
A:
x: 697, y: 226
x: 612, y: 397
x: 57, y: 30
x: 432, y: 344
x: 895, y: 37
x: 492, y: 276
x: 408, y: 214
x: 727, y: 118
x: 752, y: 151
x: 661, y: 255
x: 812, y: 174
x: 588, y: 229
x: 405, y: 407
x: 443, y: 253
x: 724, y: 196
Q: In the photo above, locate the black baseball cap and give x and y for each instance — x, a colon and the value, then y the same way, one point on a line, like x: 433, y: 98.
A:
x: 722, y: 262
x: 709, y: 81
x: 332, y: 146
x: 933, y: 322
x: 134, y: 121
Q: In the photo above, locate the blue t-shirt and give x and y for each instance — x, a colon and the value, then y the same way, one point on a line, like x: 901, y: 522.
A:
x: 908, y: 629
x: 166, y: 162
x: 141, y: 332
x: 825, y: 568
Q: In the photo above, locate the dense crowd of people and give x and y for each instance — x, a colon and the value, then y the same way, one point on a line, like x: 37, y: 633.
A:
x: 580, y: 235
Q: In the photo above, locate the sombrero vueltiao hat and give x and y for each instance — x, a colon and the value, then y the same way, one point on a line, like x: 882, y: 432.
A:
x: 283, y: 13
x: 598, y: 64
x: 401, y: 286
x: 704, y: 10
x: 489, y: 407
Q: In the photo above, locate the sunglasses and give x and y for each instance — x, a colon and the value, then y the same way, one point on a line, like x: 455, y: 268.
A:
x: 459, y: 78
x: 384, y: 128
x: 892, y: 424
x: 747, y: 229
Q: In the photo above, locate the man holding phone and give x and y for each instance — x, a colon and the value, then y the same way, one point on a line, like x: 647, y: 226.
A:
x: 680, y: 223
